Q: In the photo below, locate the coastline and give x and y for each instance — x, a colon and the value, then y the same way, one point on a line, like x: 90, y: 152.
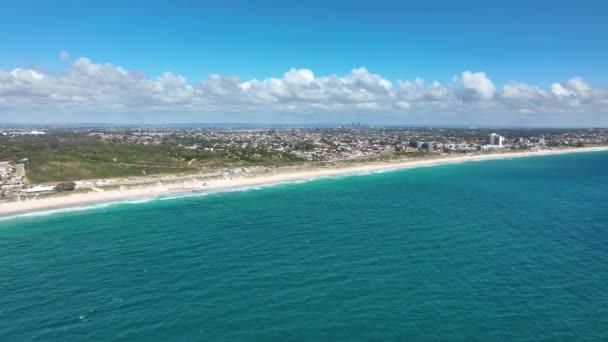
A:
x: 78, y: 199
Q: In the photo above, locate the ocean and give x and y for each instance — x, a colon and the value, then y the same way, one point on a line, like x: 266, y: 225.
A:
x: 495, y: 250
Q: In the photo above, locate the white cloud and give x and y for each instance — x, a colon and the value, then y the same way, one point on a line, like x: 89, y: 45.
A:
x: 575, y: 86
x: 299, y: 76
x: 403, y: 105
x: 26, y: 75
x: 419, y: 91
x: 479, y: 83
x: 89, y: 87
x: 579, y: 86
x: 521, y: 91
x: 558, y: 90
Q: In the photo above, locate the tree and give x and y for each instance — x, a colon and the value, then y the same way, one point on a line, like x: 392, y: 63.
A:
x: 65, y: 186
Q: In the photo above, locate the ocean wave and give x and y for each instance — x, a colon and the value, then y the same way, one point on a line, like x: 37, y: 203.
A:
x: 56, y: 211
x: 92, y: 206
x: 184, y: 195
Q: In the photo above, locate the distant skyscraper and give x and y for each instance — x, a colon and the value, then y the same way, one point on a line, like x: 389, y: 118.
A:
x: 494, y: 139
x: 498, y: 140
x: 490, y: 139
x: 416, y: 144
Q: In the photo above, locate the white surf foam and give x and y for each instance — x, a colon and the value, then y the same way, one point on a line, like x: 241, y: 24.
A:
x: 92, y: 206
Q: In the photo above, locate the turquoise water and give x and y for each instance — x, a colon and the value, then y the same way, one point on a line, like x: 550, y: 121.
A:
x: 500, y: 250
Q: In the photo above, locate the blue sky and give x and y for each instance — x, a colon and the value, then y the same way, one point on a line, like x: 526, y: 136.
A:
x: 534, y: 42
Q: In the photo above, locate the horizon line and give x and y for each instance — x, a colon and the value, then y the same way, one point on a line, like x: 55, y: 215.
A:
x: 281, y: 125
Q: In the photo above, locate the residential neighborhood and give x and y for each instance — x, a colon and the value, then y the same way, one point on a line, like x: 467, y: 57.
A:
x: 47, y: 154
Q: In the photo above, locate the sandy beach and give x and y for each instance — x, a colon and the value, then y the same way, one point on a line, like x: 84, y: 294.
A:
x: 78, y: 199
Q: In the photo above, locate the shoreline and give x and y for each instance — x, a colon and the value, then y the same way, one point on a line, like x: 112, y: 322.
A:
x: 72, y: 200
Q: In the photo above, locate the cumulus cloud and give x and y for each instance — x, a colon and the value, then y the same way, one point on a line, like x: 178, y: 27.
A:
x: 559, y: 90
x: 477, y: 82
x: 87, y: 86
x: 521, y: 91
x: 419, y: 91
x: 579, y: 87
x: 574, y: 87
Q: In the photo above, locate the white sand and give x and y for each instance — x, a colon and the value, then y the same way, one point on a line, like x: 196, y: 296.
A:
x: 244, y: 181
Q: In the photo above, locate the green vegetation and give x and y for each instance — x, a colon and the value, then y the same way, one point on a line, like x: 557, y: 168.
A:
x: 65, y: 186
x: 412, y: 154
x: 73, y: 156
x: 91, y: 153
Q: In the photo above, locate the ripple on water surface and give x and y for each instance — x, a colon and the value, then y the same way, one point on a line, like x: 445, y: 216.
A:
x: 494, y: 250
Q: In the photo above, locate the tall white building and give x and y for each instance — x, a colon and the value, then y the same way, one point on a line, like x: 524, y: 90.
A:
x: 495, y: 139
x: 498, y: 140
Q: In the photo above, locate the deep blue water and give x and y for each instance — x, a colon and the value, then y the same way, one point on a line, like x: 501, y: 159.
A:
x: 500, y: 250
